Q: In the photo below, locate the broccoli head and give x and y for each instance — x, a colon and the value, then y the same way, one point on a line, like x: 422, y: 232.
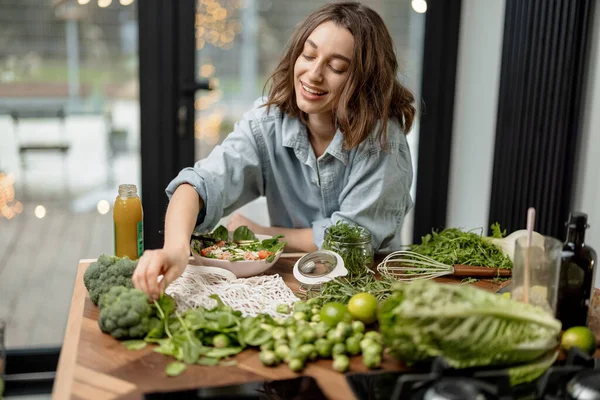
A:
x: 106, y: 272
x: 126, y: 313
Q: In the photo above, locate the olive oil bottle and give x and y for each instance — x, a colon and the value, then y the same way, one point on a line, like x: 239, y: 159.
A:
x: 577, y: 274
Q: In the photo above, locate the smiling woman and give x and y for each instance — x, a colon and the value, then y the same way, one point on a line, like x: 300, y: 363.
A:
x: 327, y: 145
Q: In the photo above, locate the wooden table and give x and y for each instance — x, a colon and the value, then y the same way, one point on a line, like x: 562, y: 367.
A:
x: 93, y: 365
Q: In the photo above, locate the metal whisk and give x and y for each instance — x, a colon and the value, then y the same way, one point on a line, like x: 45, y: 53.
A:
x: 405, y: 265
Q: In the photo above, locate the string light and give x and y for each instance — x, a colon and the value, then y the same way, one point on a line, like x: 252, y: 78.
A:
x: 216, y: 23
x: 103, y: 207
x: 40, y: 211
x: 126, y: 2
x: 104, y: 3
x: 9, y: 207
x: 419, y: 6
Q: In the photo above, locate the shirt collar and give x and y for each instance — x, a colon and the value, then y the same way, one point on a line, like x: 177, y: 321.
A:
x: 295, y: 135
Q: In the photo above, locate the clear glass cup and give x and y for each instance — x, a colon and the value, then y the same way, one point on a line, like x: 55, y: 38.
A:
x: 537, y: 268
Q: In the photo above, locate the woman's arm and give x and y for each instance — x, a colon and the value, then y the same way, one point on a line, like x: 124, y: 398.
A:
x: 296, y: 239
x: 171, y: 260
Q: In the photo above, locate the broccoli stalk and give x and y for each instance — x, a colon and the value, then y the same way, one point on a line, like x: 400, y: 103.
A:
x: 106, y: 272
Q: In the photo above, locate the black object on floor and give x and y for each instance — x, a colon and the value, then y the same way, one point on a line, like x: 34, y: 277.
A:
x: 301, y: 388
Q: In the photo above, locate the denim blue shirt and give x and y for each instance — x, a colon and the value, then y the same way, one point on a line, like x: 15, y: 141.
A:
x: 269, y: 154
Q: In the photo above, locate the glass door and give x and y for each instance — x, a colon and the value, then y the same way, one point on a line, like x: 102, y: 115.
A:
x: 69, y: 134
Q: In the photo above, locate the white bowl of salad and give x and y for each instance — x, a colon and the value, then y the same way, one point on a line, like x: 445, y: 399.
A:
x: 241, y: 252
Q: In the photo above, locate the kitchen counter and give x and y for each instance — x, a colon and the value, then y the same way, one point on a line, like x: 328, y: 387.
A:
x: 93, y: 365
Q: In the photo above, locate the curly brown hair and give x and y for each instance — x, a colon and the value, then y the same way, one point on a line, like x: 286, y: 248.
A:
x: 372, y: 92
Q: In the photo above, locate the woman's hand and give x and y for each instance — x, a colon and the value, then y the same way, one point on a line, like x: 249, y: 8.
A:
x: 168, y: 262
x: 238, y: 220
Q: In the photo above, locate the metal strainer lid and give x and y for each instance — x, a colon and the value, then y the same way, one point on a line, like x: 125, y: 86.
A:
x: 318, y: 267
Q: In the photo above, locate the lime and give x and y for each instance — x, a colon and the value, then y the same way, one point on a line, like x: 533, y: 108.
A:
x: 332, y: 313
x: 581, y: 337
x: 363, y: 307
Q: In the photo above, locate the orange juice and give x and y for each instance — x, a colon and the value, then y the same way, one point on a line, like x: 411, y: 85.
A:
x: 128, y: 220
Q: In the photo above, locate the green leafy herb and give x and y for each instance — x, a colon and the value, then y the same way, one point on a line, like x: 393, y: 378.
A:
x: 497, y: 232
x: 353, y: 244
x: 243, y: 233
x: 175, y: 368
x: 134, y: 344
x: 221, y: 234
x: 342, y: 289
x: 454, y: 246
x: 208, y: 361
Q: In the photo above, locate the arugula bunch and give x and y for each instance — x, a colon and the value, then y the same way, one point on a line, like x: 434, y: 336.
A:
x: 454, y: 246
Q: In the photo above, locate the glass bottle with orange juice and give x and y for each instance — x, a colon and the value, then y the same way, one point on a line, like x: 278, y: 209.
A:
x: 128, y: 220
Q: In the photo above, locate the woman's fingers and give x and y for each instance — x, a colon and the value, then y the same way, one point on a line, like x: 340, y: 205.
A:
x: 155, y: 268
x: 139, y: 275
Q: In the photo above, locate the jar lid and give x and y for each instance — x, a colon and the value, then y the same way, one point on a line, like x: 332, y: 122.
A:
x: 318, y: 267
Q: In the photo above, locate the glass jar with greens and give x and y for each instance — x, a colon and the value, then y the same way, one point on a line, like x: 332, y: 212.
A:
x: 353, y: 243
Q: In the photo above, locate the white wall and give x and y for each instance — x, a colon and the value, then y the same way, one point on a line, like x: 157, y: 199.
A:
x: 586, y: 195
x: 475, y: 105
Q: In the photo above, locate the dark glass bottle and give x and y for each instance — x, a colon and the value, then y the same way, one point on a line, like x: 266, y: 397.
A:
x: 576, y: 282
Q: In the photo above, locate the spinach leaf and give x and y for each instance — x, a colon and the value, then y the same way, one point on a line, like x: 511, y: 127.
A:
x: 273, y: 244
x: 208, y: 361
x: 134, y: 344
x: 175, y: 368
x: 220, y: 234
x: 243, y: 233
x: 223, y: 352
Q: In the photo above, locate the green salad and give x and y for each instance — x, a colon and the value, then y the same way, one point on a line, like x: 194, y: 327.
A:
x: 244, y: 245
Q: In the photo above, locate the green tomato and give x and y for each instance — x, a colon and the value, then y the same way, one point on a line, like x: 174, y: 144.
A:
x: 296, y: 364
x: 359, y: 336
x: 278, y: 333
x: 344, y: 329
x: 341, y: 363
x: 321, y: 329
x: 367, y: 342
x: 358, y: 327
x: 372, y: 350
x: 307, y: 350
x: 315, y: 318
x: 338, y: 348
x: 296, y: 354
x: 374, y: 335
x: 221, y: 340
x: 324, y: 347
x: 373, y: 361
x: 290, y: 333
x: 308, y: 335
x: 282, y: 351
x: 353, y: 345
x: 268, y: 358
x: 270, y: 345
x: 301, y: 306
x: 300, y: 316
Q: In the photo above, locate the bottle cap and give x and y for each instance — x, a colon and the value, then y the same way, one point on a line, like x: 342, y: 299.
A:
x: 578, y: 220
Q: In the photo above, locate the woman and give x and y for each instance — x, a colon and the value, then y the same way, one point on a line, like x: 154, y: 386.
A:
x: 327, y: 145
